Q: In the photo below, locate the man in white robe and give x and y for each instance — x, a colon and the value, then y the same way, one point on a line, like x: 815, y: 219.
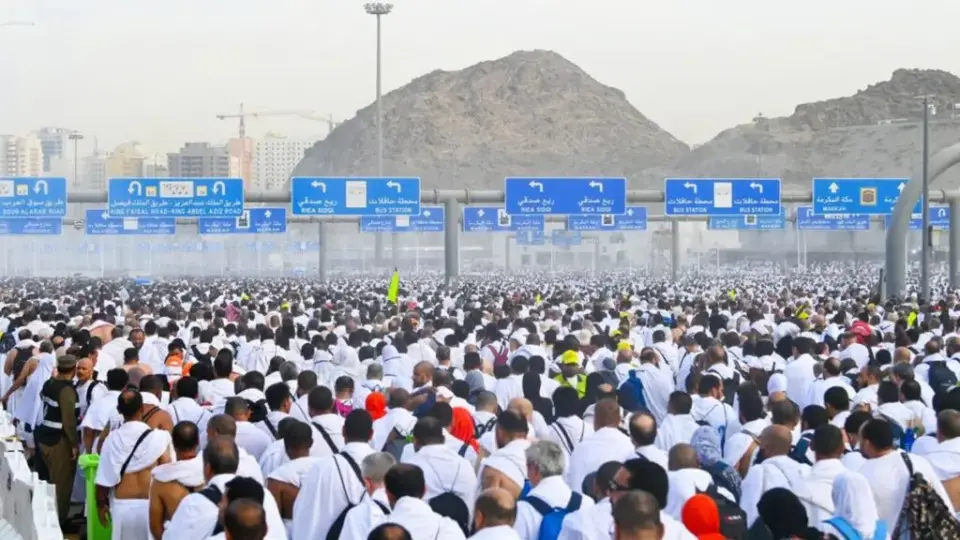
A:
x: 405, y: 486
x: 374, y: 508
x: 495, y: 515
x: 776, y: 470
x: 606, y: 443
x: 129, y: 452
x: 444, y: 469
x: 828, y: 447
x: 284, y: 482
x: 173, y: 481
x: 678, y: 426
x: 545, y: 466
x: 945, y: 457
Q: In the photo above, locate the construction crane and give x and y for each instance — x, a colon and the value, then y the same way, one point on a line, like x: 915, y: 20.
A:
x: 243, y: 115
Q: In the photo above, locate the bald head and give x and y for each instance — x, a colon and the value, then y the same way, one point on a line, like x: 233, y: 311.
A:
x: 902, y: 354
x: 521, y: 406
x: 606, y: 414
x: 246, y: 520
x: 682, y: 456
x: 775, y: 440
x: 948, y: 424
x: 494, y: 507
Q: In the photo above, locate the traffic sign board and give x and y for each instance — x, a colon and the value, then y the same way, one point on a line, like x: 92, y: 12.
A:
x: 808, y: 221
x: 431, y: 219
x: 635, y: 219
x: 324, y: 196
x: 939, y: 219
x: 251, y: 221
x: 531, y: 238
x: 34, y: 226
x: 570, y: 196
x: 754, y: 223
x: 98, y: 223
x: 873, y: 196
x: 493, y: 219
x: 563, y: 238
x: 175, y: 197
x: 721, y: 196
x: 33, y: 197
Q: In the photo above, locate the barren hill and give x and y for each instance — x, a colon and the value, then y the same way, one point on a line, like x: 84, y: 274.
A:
x: 529, y: 113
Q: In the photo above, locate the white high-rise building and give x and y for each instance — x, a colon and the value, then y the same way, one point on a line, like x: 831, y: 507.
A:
x: 274, y: 158
x: 93, y: 171
x: 21, y: 156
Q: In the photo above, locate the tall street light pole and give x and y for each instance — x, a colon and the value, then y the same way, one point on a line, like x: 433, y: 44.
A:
x: 379, y: 9
x: 925, y: 250
x: 76, y: 137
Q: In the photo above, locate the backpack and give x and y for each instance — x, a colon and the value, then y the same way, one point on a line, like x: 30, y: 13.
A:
x: 799, y: 451
x: 847, y: 531
x: 395, y: 444
x: 258, y: 410
x: 337, y: 527
x: 553, y: 517
x: 733, y: 520
x: 630, y: 393
x: 942, y: 378
x: 7, y: 342
x: 716, y: 471
x: 480, y: 429
x: 499, y: 356
x: 213, y: 494
x: 924, y: 514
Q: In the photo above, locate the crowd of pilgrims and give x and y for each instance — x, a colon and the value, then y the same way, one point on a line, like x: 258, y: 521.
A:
x: 507, y: 407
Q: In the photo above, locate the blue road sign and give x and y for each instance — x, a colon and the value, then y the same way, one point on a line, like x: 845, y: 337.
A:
x: 531, y: 238
x: 635, y: 219
x: 808, y: 221
x: 251, y: 221
x: 322, y: 196
x: 493, y: 219
x: 175, y: 197
x: 431, y: 219
x: 561, y: 238
x: 939, y: 219
x: 571, y: 196
x: 42, y: 226
x: 746, y: 223
x: 33, y: 197
x: 872, y: 196
x: 721, y: 196
x: 98, y: 223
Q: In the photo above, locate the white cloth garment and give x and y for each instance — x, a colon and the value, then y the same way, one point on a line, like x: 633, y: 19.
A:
x: 188, y: 473
x: 29, y: 409
x: 675, y: 428
x: 197, y: 516
x: 188, y: 410
x: 606, y: 444
x: 853, y: 501
x: 551, y: 490
x: 445, y: 471
x: 500, y: 532
x: 945, y: 459
x: 685, y: 483
x: 364, y: 517
x: 401, y: 418
x: 416, y: 516
x: 118, y: 447
x: 888, y: 479
x: 313, y: 516
x: 252, y: 439
x: 274, y: 456
x: 293, y: 472
x: 718, y: 414
x: 511, y: 461
x: 332, y: 425
x: 774, y: 472
x: 568, y: 432
x: 130, y: 519
x: 741, y: 441
x: 819, y: 484
x: 800, y: 375
x: 651, y: 453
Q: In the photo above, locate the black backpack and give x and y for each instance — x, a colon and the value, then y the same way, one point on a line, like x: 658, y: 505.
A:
x: 258, y: 411
x: 733, y: 520
x: 448, y: 504
x: 942, y: 378
x: 799, y: 451
x: 395, y: 444
x: 337, y: 527
x: 716, y: 473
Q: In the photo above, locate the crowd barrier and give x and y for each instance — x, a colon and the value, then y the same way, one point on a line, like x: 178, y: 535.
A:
x: 28, y: 507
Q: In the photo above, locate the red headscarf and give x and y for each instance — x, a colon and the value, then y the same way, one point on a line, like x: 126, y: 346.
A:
x: 701, y: 517
x: 376, y: 405
x: 463, y: 428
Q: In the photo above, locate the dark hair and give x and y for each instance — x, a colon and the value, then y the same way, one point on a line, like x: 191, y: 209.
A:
x: 298, y: 436
x: 117, y: 379
x: 888, y: 392
x: 854, y: 420
x: 357, y: 426
x: 512, y: 422
x: 188, y: 387
x: 879, y: 432
x: 245, y: 518
x: 566, y: 402
x: 650, y: 477
x: 320, y: 399
x: 443, y: 412
x: 276, y: 394
x: 681, y: 402
x: 221, y: 455
x: 428, y: 430
x: 910, y: 390
x: 185, y: 436
x: 814, y: 416
x: 827, y: 440
x: 129, y: 402
x: 837, y: 397
x: 405, y: 480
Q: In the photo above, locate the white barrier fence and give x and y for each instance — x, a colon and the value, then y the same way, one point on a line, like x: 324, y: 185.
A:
x: 28, y: 508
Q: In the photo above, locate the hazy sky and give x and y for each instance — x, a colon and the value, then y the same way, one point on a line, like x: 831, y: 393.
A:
x: 158, y: 71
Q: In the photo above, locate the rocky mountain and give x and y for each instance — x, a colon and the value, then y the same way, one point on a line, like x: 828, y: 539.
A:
x: 529, y: 113
x: 875, y: 132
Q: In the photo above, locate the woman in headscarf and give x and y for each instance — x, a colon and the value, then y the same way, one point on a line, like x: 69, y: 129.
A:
x: 853, y: 508
x: 376, y: 405
x: 702, y: 518
x: 531, y: 391
x: 462, y: 427
x: 706, y: 442
x: 784, y: 516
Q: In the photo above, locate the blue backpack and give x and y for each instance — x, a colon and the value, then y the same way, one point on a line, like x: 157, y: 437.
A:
x: 630, y: 393
x: 553, y: 517
x: 849, y: 533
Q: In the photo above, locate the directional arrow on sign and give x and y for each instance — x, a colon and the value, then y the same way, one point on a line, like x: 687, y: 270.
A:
x: 46, y: 189
x: 597, y: 185
x: 222, y: 188
x: 834, y: 188
x: 480, y: 212
x: 105, y: 215
x: 629, y: 211
x: 318, y: 184
x: 426, y: 213
x: 756, y: 186
x: 901, y: 186
x: 691, y: 186
x: 135, y: 184
x: 535, y: 184
x: 942, y: 212
x: 268, y: 214
x: 392, y: 184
